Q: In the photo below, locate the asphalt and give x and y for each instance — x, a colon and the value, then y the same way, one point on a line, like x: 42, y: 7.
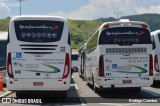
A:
x: 5, y: 92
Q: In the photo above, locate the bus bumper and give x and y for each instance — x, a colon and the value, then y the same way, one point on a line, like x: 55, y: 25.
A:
x: 120, y: 82
x: 156, y: 76
x: 38, y: 84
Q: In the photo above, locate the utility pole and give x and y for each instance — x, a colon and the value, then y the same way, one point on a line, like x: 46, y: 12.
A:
x: 20, y: 3
x: 117, y: 14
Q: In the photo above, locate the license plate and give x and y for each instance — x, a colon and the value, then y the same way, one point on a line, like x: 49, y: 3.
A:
x: 37, y: 83
x: 127, y: 81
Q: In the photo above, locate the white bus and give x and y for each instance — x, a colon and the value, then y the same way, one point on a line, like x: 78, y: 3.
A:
x: 75, y: 61
x: 3, y: 50
x: 81, y: 58
x: 119, y: 55
x: 155, y: 36
x: 38, y: 54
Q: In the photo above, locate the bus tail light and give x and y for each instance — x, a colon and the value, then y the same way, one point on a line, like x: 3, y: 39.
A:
x: 156, y: 66
x: 101, y: 66
x: 9, y: 66
x: 106, y: 26
x: 66, y: 66
x: 144, y: 26
x: 150, y: 65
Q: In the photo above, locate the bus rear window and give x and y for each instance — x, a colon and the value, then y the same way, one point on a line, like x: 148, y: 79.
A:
x: 125, y: 36
x: 38, y: 30
x: 74, y: 57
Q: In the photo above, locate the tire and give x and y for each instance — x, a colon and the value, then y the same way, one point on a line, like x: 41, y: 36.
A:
x: 85, y: 77
x: 95, y: 89
x: 88, y: 83
x: 156, y: 83
x: 79, y: 75
x: 19, y: 94
x: 4, y: 85
x: 64, y: 94
x: 137, y: 89
x: 76, y: 69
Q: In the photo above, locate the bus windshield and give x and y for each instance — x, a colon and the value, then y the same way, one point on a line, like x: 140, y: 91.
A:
x: 38, y: 30
x: 125, y: 36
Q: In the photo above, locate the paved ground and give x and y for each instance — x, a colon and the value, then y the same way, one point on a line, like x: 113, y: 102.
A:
x: 72, y: 97
x: 116, y: 97
x: 82, y: 94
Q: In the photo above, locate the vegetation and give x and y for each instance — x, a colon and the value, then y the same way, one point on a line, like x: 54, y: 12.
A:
x: 151, y: 19
x: 4, y: 24
x: 81, y: 30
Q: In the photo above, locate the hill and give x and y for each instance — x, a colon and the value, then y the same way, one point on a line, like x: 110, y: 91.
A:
x: 4, y: 24
x: 81, y: 30
x: 151, y: 19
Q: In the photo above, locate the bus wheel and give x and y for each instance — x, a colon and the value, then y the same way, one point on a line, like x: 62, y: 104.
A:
x: 94, y: 86
x: 64, y: 94
x: 88, y: 83
x: 85, y: 77
x: 19, y: 94
x: 80, y: 76
x: 137, y: 89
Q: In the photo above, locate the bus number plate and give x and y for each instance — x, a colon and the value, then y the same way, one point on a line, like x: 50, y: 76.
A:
x: 127, y: 81
x: 37, y: 83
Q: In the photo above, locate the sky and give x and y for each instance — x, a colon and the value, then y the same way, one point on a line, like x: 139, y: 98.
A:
x: 79, y: 9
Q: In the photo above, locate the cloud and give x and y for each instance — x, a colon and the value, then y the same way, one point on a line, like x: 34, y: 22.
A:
x: 151, y: 9
x: 100, y: 8
x: 4, y: 10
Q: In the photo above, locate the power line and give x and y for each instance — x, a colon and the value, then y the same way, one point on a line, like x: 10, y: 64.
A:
x: 117, y: 14
x: 20, y: 2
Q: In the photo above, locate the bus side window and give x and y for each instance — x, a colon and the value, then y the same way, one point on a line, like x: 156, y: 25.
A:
x: 69, y: 39
x: 8, y: 40
x: 153, y: 42
x: 92, y: 43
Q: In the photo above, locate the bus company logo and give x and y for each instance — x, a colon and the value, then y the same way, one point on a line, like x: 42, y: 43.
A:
x: 18, y: 55
x: 114, y: 66
x: 123, y: 33
x: 54, y: 27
